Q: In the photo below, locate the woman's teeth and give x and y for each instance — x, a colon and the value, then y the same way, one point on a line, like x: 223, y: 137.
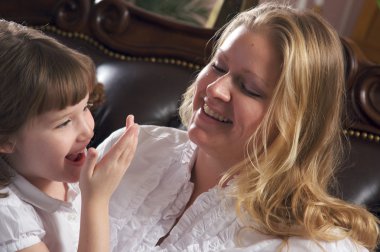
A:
x: 214, y: 115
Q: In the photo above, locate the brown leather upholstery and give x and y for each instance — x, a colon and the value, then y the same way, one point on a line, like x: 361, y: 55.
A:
x: 359, y: 177
x: 148, y: 87
x: 146, y: 62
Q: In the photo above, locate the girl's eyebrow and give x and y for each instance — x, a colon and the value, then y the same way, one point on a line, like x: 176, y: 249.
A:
x: 55, y: 116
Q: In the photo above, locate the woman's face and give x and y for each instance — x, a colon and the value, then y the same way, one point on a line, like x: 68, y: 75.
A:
x: 232, y: 95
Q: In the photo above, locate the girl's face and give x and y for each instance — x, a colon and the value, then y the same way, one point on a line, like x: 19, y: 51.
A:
x: 51, y: 147
x: 232, y: 95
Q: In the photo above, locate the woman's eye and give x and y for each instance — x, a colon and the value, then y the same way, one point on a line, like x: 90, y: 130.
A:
x: 249, y: 92
x: 218, y: 68
x: 64, y: 124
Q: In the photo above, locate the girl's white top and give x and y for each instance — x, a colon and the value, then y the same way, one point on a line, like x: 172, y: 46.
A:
x: 155, y: 190
x: 29, y: 216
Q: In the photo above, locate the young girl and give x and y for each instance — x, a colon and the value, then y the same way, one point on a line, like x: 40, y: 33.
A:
x: 45, y: 126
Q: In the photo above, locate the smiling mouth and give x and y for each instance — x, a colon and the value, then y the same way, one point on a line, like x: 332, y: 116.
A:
x: 215, y: 115
x: 76, y: 157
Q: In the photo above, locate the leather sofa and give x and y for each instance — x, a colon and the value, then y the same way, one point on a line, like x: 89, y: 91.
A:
x: 145, y: 62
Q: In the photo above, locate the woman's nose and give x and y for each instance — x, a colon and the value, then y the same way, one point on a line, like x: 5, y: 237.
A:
x: 220, y: 88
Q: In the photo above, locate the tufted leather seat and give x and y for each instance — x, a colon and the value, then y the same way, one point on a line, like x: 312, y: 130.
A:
x: 359, y: 177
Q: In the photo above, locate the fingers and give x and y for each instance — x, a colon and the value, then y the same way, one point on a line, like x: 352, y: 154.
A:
x: 129, y: 121
x: 128, y: 139
x: 129, y: 136
x: 91, y: 158
x: 101, y: 179
x: 128, y: 142
x: 89, y: 166
x: 125, y: 145
x: 129, y: 152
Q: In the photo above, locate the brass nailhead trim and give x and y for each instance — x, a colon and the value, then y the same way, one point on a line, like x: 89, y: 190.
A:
x: 350, y: 132
x: 363, y: 135
x: 116, y: 55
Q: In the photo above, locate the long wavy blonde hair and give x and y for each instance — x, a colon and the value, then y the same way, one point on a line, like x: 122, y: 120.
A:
x: 291, y: 158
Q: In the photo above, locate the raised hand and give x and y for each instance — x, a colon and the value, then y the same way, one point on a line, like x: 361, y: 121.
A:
x: 101, y: 180
x: 97, y: 183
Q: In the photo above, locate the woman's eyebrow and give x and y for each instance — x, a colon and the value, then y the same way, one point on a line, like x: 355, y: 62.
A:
x: 259, y: 80
x: 262, y: 82
x: 220, y: 52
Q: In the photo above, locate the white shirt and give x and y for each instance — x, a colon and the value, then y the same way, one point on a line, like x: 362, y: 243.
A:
x: 29, y: 216
x: 155, y: 190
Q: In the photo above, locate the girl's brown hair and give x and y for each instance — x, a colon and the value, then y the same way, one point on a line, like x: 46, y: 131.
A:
x: 37, y: 74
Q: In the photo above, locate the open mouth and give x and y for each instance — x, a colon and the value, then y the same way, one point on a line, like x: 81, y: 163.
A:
x: 215, y: 115
x: 76, y: 157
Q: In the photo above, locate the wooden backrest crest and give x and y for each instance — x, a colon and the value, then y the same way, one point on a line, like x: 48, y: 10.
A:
x: 124, y: 31
x: 117, y: 24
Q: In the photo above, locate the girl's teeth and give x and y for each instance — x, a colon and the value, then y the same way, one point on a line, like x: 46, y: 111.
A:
x: 213, y: 114
x: 73, y: 157
x: 76, y: 156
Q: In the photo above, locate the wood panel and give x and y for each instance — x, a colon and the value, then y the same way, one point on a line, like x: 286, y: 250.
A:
x: 118, y: 25
x: 367, y: 30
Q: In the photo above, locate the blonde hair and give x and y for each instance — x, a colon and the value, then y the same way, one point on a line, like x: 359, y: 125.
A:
x: 291, y: 158
x: 37, y: 74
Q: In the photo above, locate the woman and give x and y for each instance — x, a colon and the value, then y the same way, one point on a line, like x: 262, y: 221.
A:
x: 264, y: 137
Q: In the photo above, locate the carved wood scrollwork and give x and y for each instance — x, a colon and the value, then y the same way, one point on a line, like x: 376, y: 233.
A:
x: 72, y: 15
x: 110, y: 17
x: 368, y: 93
x: 363, y: 88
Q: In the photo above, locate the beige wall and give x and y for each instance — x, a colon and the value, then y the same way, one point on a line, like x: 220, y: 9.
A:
x: 342, y: 14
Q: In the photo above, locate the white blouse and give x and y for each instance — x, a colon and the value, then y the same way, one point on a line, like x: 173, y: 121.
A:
x: 29, y: 216
x: 155, y: 190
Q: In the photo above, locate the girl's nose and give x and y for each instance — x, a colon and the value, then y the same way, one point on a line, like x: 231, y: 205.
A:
x: 86, y: 128
x: 220, y: 88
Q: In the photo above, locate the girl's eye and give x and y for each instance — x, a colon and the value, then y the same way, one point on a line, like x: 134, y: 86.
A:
x: 64, y: 124
x: 88, y: 106
x: 218, y: 68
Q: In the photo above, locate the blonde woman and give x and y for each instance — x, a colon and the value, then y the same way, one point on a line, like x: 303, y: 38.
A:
x: 263, y: 140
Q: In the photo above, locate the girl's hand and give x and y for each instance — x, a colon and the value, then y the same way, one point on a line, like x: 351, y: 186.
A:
x: 98, y: 181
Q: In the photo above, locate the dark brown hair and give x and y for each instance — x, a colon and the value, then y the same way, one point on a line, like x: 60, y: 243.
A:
x: 37, y: 74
